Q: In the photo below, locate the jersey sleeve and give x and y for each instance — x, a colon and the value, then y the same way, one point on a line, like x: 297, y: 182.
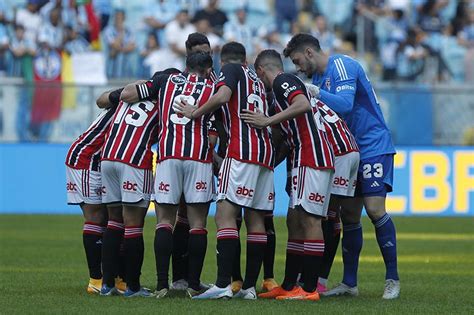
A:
x: 229, y: 76
x: 344, y: 75
x: 151, y: 88
x: 286, y: 87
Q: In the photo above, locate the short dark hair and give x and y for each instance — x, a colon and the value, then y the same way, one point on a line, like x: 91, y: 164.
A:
x: 299, y: 42
x: 269, y: 56
x: 199, y: 62
x: 196, y: 39
x: 233, y: 52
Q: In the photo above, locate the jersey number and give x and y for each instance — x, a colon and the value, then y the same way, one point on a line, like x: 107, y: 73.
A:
x: 138, y: 117
x: 330, y: 117
x: 256, y: 101
x: 178, y: 119
x: 376, y: 170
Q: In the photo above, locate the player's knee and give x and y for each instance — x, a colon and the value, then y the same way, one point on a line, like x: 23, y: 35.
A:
x: 95, y: 213
x: 375, y: 214
x: 375, y: 207
x: 224, y: 219
x: 311, y: 223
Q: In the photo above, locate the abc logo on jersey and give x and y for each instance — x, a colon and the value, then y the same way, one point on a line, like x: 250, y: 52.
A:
x: 163, y: 187
x: 71, y: 187
x: 271, y: 196
x: 201, y: 186
x: 100, y: 191
x: 316, y: 198
x: 244, y: 192
x: 341, y: 181
x: 129, y: 186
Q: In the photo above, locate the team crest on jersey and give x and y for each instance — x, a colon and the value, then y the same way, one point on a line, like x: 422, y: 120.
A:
x: 328, y: 84
x: 178, y: 79
x: 47, y: 65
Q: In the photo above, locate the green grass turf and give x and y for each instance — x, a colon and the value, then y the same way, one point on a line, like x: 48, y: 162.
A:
x: 43, y: 270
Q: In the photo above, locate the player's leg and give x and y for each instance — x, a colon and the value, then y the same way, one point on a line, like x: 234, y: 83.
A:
x: 351, y: 209
x: 237, y: 279
x: 112, y: 242
x: 269, y: 256
x: 95, y: 216
x: 197, y: 245
x: 377, y: 178
x: 294, y: 257
x: 311, y: 202
x: 163, y: 244
x: 180, y: 247
x: 332, y: 232
x: 256, y: 244
x: 168, y: 192
x: 227, y: 240
x: 386, y: 238
x: 113, y: 235
x: 84, y: 189
x: 134, y: 218
x: 233, y: 176
x: 313, y: 248
x: 136, y: 195
x: 343, y: 186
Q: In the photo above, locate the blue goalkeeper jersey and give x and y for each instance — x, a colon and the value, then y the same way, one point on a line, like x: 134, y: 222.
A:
x: 346, y: 89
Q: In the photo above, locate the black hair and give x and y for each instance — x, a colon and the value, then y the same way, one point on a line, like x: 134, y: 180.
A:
x: 269, y: 56
x: 233, y: 52
x: 199, y: 62
x: 196, y: 39
x: 170, y: 71
x: 299, y: 42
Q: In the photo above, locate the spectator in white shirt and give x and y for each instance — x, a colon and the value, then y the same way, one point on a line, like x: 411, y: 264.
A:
x: 160, y: 13
x: 176, y: 33
x: 20, y: 47
x: 120, y: 44
x: 327, y: 39
x: 156, y: 58
x: 75, y: 43
x: 51, y: 34
x: 30, y: 19
x: 238, y: 30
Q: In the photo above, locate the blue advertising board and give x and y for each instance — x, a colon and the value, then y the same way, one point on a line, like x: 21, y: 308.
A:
x: 428, y: 181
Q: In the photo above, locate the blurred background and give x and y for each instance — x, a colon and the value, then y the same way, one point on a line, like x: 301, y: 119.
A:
x: 57, y: 56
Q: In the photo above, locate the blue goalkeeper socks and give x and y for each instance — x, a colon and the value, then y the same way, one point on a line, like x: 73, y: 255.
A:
x: 351, y: 247
x: 387, y: 240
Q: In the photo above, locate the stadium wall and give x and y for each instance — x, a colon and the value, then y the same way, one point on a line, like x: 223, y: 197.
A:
x: 428, y: 181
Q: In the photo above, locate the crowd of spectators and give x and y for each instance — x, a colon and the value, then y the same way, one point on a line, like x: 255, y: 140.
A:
x: 407, y: 40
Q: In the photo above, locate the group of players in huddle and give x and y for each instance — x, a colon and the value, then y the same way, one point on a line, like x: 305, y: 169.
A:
x: 331, y: 133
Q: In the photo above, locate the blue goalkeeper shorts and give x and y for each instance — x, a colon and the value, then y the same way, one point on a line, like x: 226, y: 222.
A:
x: 375, y: 176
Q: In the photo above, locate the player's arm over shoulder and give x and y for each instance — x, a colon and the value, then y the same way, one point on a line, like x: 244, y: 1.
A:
x: 143, y: 90
x: 229, y: 76
x: 287, y: 86
x: 109, y: 98
x: 345, y: 72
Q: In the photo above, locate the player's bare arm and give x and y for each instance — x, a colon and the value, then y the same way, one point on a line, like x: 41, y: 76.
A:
x: 109, y: 98
x: 130, y: 92
x: 299, y: 105
x: 222, y: 96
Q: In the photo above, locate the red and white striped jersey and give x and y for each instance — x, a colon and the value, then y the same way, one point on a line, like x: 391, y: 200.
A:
x: 131, y: 134
x: 339, y: 135
x: 180, y: 137
x: 306, y: 134
x: 246, y: 143
x: 85, y: 151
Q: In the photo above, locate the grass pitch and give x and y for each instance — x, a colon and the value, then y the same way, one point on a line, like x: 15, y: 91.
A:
x: 43, y: 270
